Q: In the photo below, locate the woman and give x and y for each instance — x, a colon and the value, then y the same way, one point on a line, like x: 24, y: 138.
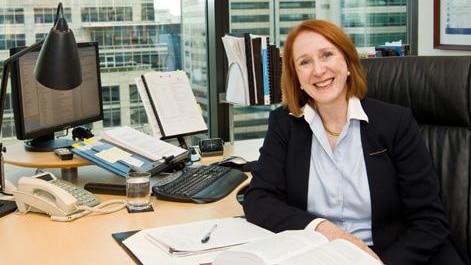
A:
x: 344, y: 165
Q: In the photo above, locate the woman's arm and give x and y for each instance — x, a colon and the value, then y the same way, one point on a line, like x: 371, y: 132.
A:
x: 273, y: 176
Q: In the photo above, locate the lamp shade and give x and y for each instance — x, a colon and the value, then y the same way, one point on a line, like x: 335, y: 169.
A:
x: 58, y: 65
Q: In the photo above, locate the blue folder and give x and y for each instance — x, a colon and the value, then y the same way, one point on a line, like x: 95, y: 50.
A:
x: 89, y: 149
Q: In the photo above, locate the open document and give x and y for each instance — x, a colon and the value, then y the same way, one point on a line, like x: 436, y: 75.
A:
x: 143, y: 144
x: 186, y: 242
x: 172, y: 102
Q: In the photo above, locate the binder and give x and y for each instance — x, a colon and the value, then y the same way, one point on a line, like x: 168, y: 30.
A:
x: 262, y: 67
x: 275, y: 74
x: 120, y: 237
x: 258, y: 69
x: 250, y: 68
x: 267, y: 84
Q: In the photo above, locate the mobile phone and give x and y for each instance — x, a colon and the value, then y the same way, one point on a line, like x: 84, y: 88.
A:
x: 64, y: 153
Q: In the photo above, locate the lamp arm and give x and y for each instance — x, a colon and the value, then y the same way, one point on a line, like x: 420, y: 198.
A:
x: 3, y: 92
x: 6, y: 72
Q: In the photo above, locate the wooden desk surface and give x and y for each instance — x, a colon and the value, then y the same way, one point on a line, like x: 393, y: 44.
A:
x: 17, y: 155
x: 35, y: 239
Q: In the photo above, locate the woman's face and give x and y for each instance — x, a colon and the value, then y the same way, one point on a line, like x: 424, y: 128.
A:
x: 321, y: 68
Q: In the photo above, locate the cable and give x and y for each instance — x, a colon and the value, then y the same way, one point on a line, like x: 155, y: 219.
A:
x: 6, y: 193
x: 88, y: 210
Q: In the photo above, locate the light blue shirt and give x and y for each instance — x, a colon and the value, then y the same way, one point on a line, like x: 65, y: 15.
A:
x: 338, y: 184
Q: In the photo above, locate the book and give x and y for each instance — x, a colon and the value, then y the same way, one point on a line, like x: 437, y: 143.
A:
x: 173, y: 103
x: 181, y: 241
x: 295, y: 247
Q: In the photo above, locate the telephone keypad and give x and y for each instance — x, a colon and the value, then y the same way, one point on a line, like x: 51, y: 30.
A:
x: 83, y: 196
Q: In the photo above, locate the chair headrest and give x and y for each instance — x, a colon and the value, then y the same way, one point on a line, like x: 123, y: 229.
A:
x: 436, y: 88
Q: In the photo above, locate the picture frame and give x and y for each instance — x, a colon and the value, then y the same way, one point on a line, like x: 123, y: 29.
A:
x: 451, y: 29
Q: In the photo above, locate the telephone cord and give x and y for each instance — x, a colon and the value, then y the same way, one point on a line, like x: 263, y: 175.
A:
x: 96, y: 209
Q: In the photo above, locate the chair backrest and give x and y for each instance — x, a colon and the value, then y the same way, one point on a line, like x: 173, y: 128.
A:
x: 438, y: 91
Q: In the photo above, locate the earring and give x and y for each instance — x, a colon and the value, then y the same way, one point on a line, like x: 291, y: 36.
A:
x: 348, y: 73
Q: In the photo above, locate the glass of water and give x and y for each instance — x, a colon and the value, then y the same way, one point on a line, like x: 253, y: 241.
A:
x: 138, y: 190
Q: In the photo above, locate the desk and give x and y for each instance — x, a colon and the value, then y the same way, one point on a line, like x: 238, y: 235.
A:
x: 18, y: 156
x: 35, y: 239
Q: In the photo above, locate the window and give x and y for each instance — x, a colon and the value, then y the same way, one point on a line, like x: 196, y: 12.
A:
x: 12, y: 16
x: 139, y: 36
x: 138, y: 114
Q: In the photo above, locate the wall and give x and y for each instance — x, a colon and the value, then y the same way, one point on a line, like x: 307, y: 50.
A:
x: 425, y: 32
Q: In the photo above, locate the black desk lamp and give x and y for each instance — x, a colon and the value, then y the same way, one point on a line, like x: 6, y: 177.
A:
x: 57, y: 67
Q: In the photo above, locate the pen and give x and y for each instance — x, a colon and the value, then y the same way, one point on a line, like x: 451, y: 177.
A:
x: 208, y: 235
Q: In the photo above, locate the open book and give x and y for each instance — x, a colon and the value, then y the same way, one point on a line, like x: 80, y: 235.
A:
x: 295, y: 247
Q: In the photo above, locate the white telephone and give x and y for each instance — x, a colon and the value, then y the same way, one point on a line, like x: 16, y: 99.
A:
x: 62, y: 200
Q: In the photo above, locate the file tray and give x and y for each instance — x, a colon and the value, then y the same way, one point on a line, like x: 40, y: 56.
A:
x: 118, y: 160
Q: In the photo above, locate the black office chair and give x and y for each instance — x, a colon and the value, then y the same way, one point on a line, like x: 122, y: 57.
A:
x: 438, y: 91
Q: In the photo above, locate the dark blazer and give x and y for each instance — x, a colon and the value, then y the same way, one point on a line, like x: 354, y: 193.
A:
x: 409, y: 223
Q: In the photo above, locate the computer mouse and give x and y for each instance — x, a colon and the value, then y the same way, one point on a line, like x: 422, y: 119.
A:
x: 236, y: 162
x: 233, y: 161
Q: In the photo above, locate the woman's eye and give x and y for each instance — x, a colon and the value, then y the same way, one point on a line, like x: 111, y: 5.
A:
x: 304, y: 62
x: 326, y: 55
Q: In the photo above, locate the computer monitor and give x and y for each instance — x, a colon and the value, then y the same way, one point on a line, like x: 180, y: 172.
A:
x: 40, y: 112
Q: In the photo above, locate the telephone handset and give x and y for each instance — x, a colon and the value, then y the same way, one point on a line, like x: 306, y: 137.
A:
x: 45, y: 193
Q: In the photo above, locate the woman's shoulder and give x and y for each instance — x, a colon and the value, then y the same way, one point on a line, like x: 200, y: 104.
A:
x: 385, y: 114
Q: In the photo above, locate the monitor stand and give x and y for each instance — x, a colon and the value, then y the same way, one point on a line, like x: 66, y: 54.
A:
x: 181, y: 142
x: 47, y: 144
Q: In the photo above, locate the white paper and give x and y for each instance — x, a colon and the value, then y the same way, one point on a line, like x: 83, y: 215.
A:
x: 147, y: 253
x: 143, y: 144
x: 229, y: 232
x: 174, y: 102
x: 237, y: 90
x: 185, y: 239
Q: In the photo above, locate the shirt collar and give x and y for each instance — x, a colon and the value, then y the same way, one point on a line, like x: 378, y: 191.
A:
x: 354, y: 111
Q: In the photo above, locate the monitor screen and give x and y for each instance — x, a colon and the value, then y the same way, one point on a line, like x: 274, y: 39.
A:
x: 39, y: 111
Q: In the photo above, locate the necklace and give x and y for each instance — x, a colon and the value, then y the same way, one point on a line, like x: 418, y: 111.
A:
x: 331, y: 132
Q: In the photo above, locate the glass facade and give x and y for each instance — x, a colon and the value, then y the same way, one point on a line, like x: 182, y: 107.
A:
x: 140, y: 36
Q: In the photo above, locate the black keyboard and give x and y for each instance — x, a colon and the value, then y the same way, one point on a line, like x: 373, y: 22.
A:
x: 199, y: 184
